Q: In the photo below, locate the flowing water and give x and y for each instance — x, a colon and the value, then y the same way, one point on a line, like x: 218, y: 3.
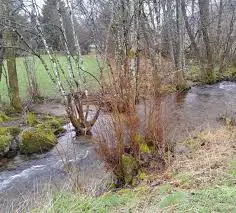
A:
x: 195, y: 110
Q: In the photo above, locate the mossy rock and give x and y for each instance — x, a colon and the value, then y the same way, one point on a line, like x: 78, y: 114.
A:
x: 8, y: 142
x: 31, y: 119
x: 47, y: 123
x: 5, y: 143
x: 54, y: 125
x: 3, y: 131
x: 36, y: 140
x: 3, y: 117
x: 12, y: 131
x: 130, y: 168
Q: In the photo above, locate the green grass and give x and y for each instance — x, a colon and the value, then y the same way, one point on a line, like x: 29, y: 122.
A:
x: 46, y: 86
x: 68, y: 202
x: 171, y: 199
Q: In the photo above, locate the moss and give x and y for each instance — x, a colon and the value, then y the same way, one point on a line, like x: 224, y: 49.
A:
x: 144, y: 148
x: 31, y: 119
x: 209, y: 78
x: 36, y: 140
x: 130, y: 168
x: 13, y: 131
x: 3, y: 117
x: 139, y: 138
x: 4, y: 131
x: 53, y: 124
x: 142, y: 176
x: 229, y: 74
x: 5, y: 141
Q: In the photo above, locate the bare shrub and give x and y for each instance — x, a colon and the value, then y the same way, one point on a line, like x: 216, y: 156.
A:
x: 122, y: 90
x: 132, y: 143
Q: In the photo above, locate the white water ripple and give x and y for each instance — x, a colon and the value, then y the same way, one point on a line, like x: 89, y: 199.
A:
x: 24, y: 174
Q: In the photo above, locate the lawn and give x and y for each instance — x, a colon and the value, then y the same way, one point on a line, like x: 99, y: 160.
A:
x: 46, y: 86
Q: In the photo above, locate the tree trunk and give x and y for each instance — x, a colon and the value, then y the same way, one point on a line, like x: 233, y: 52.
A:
x: 1, y: 45
x: 13, y: 88
x: 31, y: 75
x: 1, y: 57
x: 10, y: 55
x: 219, y: 30
x: 189, y: 31
x: 204, y: 19
x: 79, y: 120
x: 181, y: 83
x: 227, y: 45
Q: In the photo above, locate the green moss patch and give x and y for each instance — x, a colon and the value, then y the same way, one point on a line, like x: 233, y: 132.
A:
x: 130, y: 168
x: 3, y: 131
x: 53, y: 124
x: 47, y: 123
x: 229, y: 74
x: 143, y: 147
x: 12, y: 131
x: 5, y: 142
x: 36, y: 140
x: 3, y: 117
x: 31, y: 119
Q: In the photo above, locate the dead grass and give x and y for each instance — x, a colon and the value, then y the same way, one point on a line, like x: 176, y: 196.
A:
x: 209, y: 156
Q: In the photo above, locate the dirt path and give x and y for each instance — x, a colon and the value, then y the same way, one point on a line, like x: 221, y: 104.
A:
x: 55, y: 109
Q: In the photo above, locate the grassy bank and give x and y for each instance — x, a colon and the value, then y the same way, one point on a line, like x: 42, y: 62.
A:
x: 46, y: 87
x: 164, y: 198
x: 194, y: 74
x: 90, y: 64
x: 200, y: 179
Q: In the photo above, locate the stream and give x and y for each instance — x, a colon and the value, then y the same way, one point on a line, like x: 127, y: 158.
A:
x: 194, y: 110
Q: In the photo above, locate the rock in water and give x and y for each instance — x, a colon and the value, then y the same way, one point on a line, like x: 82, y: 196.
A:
x: 36, y: 140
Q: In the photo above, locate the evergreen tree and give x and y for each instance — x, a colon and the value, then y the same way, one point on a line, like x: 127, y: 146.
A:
x: 51, y: 25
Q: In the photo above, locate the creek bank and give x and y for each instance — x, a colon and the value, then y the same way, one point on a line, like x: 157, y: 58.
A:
x: 192, y: 111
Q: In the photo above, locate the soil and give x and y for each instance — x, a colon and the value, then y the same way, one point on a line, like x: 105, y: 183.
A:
x: 55, y: 109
